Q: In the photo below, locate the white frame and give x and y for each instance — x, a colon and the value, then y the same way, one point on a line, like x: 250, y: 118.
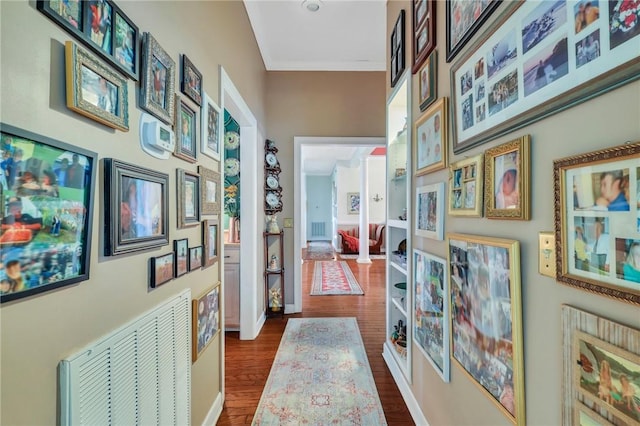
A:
x: 438, y: 232
x: 204, y: 120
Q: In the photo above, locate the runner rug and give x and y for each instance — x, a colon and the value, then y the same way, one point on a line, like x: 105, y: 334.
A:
x: 371, y: 256
x: 320, y: 376
x: 334, y: 278
x: 319, y: 250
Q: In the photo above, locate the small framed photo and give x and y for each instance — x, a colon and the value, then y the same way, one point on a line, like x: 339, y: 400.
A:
x: 584, y: 416
x: 397, y: 49
x: 209, y: 190
x: 195, y: 258
x: 162, y: 269
x: 94, y: 89
x: 507, y: 187
x: 430, y: 211
x: 191, y: 82
x: 188, y: 194
x: 181, y: 247
x: 211, y: 240
x: 427, y: 80
x: 186, y: 130
x: 353, y: 203
x: 157, y: 91
x: 211, y: 122
x: 430, y: 139
x: 424, y: 31
x: 466, y: 187
x: 206, y: 319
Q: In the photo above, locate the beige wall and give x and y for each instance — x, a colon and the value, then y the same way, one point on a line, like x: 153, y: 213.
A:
x: 40, y: 331
x: 606, y: 121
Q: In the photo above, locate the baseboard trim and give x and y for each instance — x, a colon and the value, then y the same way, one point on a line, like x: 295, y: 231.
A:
x: 214, y: 412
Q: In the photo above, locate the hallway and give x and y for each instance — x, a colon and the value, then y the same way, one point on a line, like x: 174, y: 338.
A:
x: 248, y: 362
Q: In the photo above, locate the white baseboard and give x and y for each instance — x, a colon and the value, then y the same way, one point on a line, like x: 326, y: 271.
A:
x: 214, y: 412
x: 289, y: 308
x: 405, y: 389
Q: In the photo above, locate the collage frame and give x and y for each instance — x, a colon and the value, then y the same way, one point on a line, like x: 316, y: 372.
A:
x: 206, y: 320
x: 466, y: 180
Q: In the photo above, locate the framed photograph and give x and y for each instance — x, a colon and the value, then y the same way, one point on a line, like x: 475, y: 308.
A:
x: 507, y: 173
x: 95, y: 90
x: 540, y: 58
x: 430, y: 139
x: 597, y: 221
x: 211, y: 240
x: 195, y: 258
x: 424, y: 31
x: 188, y: 198
x: 186, y: 130
x: 211, y: 123
x: 397, y: 49
x: 431, y: 326
x: 46, y: 212
x: 353, y: 203
x: 157, y: 88
x: 101, y: 26
x: 430, y: 211
x: 466, y: 187
x: 209, y: 190
x: 181, y: 247
x: 583, y: 416
x: 206, y: 319
x: 162, y: 269
x: 427, y: 81
x: 486, y: 317
x: 136, y: 208
x: 191, y: 82
x: 464, y: 19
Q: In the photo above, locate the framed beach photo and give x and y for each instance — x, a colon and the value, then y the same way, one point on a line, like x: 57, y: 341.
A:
x: 353, y: 202
x: 211, y: 122
x: 428, y: 88
x: 430, y: 139
x: 430, y: 211
x: 195, y: 258
x: 157, y: 89
x: 464, y: 18
x: 181, y: 249
x: 206, y: 320
x: 188, y: 198
x: 162, y: 269
x: 466, y: 185
x: 209, y: 190
x: 211, y: 241
x: 191, y: 81
x: 424, y: 31
x: 186, y: 130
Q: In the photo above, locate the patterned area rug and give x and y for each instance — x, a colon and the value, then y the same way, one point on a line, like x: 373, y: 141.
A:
x: 320, y: 376
x: 371, y: 256
x: 334, y: 278
x: 319, y: 250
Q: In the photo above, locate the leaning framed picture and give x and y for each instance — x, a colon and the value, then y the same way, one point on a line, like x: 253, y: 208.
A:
x: 464, y: 18
x: 191, y: 81
x: 211, y: 241
x: 424, y: 31
x: 136, y: 208
x: 353, y: 202
x: 486, y: 318
x: 181, y: 250
x: 186, y: 130
x: 466, y: 185
x: 157, y: 88
x: 46, y: 214
x: 209, y: 190
x: 94, y: 89
x: 195, y: 258
x: 206, y: 319
x: 430, y: 139
x: 188, y: 198
x: 597, y: 221
x: 428, y: 88
x: 162, y: 269
x: 430, y: 211
x: 210, y: 121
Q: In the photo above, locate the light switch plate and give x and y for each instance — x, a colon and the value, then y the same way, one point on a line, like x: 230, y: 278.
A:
x: 547, y: 254
x: 288, y: 222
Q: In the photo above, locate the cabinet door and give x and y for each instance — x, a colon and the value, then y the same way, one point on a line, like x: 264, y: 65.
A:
x: 232, y: 296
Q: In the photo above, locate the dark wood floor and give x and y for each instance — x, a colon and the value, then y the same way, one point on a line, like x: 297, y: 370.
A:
x: 248, y: 362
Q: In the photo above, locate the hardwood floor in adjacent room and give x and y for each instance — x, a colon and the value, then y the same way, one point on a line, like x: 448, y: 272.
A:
x: 248, y: 362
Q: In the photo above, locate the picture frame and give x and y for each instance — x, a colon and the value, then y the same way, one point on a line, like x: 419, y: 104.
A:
x: 191, y: 82
x: 116, y: 39
x: 158, y: 79
x: 466, y: 187
x: 397, y: 49
x: 186, y: 130
x: 181, y: 249
x: 583, y: 416
x: 94, y: 89
x: 430, y: 211
x: 211, y: 123
x: 597, y: 244
x: 485, y: 277
x: 162, y: 269
x: 195, y: 258
x: 431, y: 324
x: 206, y: 320
x: 353, y: 203
x: 464, y: 18
x: 211, y: 240
x: 507, y: 189
x: 36, y: 228
x: 423, y: 18
x: 430, y: 138
x: 210, y: 190
x: 136, y: 208
x: 529, y: 75
x: 427, y: 83
x: 188, y: 194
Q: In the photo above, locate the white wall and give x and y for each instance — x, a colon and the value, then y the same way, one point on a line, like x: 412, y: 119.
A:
x: 348, y: 180
x: 319, y: 205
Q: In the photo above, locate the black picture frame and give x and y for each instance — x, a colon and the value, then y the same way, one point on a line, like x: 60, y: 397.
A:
x: 397, y: 49
x: 136, y: 203
x: 46, y: 227
x: 162, y: 269
x: 423, y: 20
x: 181, y: 249
x: 454, y: 47
x: 191, y: 81
x: 188, y: 198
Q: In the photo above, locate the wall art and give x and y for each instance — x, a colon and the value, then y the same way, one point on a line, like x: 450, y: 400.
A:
x: 428, y: 87
x: 206, y: 320
x: 464, y: 19
x: 430, y: 138
x: 424, y: 31
x: 430, y: 211
x: 397, y: 49
x: 211, y: 122
x: 158, y: 80
x: 188, y: 198
x: 466, y: 187
x: 162, y: 269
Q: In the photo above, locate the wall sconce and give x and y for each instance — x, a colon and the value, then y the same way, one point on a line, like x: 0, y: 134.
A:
x: 377, y: 198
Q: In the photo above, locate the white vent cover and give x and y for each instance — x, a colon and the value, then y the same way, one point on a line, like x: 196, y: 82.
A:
x: 137, y: 375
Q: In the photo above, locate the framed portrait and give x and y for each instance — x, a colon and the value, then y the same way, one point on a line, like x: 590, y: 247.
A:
x: 464, y: 18
x: 186, y: 130
x: 209, y: 190
x: 427, y: 81
x: 188, y: 194
x: 466, y: 187
x: 353, y: 203
x: 430, y: 211
x: 486, y: 318
x: 46, y: 213
x: 397, y: 49
x: 211, y: 121
x: 211, y: 240
x: 181, y: 249
x: 430, y: 138
x: 507, y: 188
x: 94, y: 89
x: 136, y: 208
x: 195, y: 258
x: 162, y: 269
x: 157, y: 88
x: 583, y: 416
x: 191, y: 82
x: 431, y: 326
x: 597, y: 221
x: 424, y: 31
x: 206, y: 319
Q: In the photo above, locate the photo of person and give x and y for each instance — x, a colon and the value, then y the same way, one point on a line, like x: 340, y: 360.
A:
x: 605, y: 191
x: 591, y: 244
x: 186, y: 130
x: 429, y: 146
x: 588, y: 49
x: 480, y: 91
x: 481, y: 112
x: 70, y: 10
x: 467, y: 113
x: 547, y: 66
x: 208, y: 321
x: 212, y: 129
x: 428, y: 211
x: 464, y: 14
x: 158, y: 94
x: 479, y: 68
x: 189, y: 200
x: 469, y: 195
x: 503, y: 93
x: 542, y: 21
x: 585, y: 13
x: 98, y: 16
x: 98, y: 91
x: 180, y: 248
x: 624, y: 24
x: 506, y: 181
x: 628, y: 259
x: 125, y: 44
x: 140, y: 208
x: 466, y: 82
x: 425, y: 89
x: 195, y: 257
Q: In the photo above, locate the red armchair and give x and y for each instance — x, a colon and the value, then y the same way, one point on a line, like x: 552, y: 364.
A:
x: 350, y: 239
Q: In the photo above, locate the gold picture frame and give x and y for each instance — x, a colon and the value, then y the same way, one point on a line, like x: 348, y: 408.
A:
x: 206, y: 320
x: 508, y: 166
x: 430, y: 138
x: 466, y: 183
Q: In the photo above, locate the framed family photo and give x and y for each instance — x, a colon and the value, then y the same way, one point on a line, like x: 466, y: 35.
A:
x: 597, y: 221
x: 209, y: 190
x: 157, y: 88
x: 397, y: 49
x: 211, y: 124
x: 206, y: 319
x: 186, y: 129
x: 353, y: 202
x: 162, y: 269
x: 195, y: 258
x: 428, y: 88
x: 191, y: 82
x: 430, y: 138
x: 181, y: 249
x: 430, y: 211
x: 211, y: 242
x: 188, y: 195
x: 466, y: 185
x: 424, y: 31
x: 464, y: 18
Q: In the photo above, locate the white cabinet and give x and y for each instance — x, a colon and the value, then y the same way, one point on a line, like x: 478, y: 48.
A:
x: 232, y: 287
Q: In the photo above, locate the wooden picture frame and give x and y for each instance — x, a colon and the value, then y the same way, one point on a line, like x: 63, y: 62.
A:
x: 211, y: 124
x: 158, y: 80
x: 195, y: 258
x: 430, y: 211
x: 466, y: 187
x: 191, y: 81
x: 188, y: 198
x: 353, y: 203
x: 210, y: 190
x: 596, y: 221
x: 485, y: 278
x: 423, y: 18
x: 427, y: 82
x: 397, y: 49
x: 211, y: 242
x: 181, y: 249
x: 136, y: 208
x: 162, y: 269
x: 464, y: 19
x: 94, y: 89
x: 583, y: 416
x: 507, y: 180
x: 186, y: 130
x: 206, y: 320
x: 430, y: 138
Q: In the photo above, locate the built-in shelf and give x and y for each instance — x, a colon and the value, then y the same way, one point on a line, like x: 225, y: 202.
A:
x: 399, y: 303
x: 397, y: 223
x: 401, y: 269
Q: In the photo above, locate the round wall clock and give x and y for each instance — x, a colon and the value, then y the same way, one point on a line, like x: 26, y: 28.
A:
x: 231, y: 166
x: 231, y: 140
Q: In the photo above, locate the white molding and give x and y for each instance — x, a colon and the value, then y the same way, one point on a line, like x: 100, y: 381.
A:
x: 404, y: 387
x: 214, y: 412
x: 324, y: 66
